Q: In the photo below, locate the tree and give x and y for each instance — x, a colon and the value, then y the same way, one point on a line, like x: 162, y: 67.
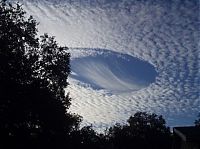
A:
x: 142, y: 131
x: 33, y: 76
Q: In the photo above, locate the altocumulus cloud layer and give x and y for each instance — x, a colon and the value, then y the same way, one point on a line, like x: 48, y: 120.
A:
x: 164, y: 33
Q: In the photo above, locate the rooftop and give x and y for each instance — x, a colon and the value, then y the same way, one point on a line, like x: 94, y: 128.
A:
x: 190, y: 133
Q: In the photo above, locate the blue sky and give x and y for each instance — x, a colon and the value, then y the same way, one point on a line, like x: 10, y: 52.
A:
x: 112, y: 71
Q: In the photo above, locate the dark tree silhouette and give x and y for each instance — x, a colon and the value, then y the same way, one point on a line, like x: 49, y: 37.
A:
x: 33, y: 76
x: 142, y: 131
x: 87, y: 137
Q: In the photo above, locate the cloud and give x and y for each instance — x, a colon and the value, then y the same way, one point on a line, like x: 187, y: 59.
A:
x: 164, y: 33
x: 111, y: 71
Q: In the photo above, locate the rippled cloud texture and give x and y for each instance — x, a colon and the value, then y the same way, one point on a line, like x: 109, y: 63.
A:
x: 164, y: 33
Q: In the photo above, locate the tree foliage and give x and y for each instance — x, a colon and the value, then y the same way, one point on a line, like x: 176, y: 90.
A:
x: 33, y: 76
x: 142, y: 131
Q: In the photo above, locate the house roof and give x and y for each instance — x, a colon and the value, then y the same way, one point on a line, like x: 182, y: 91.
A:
x: 190, y: 133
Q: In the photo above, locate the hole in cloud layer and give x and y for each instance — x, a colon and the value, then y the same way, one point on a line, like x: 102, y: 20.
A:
x: 112, y: 71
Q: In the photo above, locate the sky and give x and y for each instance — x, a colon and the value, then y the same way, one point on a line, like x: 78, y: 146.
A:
x: 127, y: 56
x: 111, y: 71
